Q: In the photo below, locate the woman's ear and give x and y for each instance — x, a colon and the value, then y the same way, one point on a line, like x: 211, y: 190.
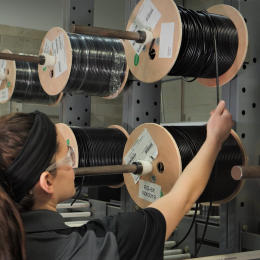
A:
x: 46, y: 182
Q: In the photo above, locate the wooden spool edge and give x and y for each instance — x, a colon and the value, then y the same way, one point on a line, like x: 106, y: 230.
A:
x: 54, y: 86
x: 238, y: 20
x: 244, y: 162
x: 174, y: 150
x: 11, y: 78
x: 58, y: 100
x: 69, y: 135
x: 115, y: 95
x: 127, y: 136
x: 143, y: 71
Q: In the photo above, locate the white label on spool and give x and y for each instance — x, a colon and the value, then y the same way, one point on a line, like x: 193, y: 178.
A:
x: 3, y: 64
x: 166, y: 40
x: 149, y: 191
x: 147, y: 17
x: 47, y: 46
x: 4, y: 94
x: 143, y: 149
x: 59, y: 52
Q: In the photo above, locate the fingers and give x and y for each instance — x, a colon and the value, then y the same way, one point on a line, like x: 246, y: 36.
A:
x: 212, y: 112
x: 220, y: 108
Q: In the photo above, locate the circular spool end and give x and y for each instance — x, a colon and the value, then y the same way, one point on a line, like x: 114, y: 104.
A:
x: 70, y: 139
x: 127, y: 136
x: 58, y: 100
x: 51, y: 84
x: 235, y: 16
x: 244, y: 162
x: 10, y: 78
x: 168, y: 155
x: 148, y: 70
x: 115, y: 95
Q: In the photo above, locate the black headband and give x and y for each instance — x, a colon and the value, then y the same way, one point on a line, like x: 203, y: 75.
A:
x: 34, y: 158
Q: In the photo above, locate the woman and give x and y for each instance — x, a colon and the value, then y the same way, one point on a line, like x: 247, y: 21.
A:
x: 11, y: 232
x: 36, y: 169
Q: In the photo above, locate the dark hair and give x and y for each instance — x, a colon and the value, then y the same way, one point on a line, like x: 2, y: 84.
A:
x: 14, y: 131
x: 12, y: 246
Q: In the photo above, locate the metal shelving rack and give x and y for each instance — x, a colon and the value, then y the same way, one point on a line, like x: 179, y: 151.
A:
x: 238, y: 228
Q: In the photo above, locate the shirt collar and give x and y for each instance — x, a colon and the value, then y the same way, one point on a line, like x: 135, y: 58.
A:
x: 42, y: 220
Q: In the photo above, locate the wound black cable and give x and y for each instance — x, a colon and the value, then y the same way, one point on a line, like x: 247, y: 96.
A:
x: 209, y: 45
x: 99, y: 147
x: 98, y: 66
x: 28, y: 88
x: 189, y: 140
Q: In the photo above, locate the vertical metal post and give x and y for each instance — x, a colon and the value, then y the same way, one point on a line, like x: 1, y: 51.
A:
x: 76, y: 109
x: 242, y: 96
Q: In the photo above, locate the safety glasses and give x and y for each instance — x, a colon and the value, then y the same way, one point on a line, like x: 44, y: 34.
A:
x: 67, y: 160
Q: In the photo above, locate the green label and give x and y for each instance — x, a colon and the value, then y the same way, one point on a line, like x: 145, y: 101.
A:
x: 8, y: 84
x: 161, y: 194
x: 44, y: 68
x: 68, y: 142
x: 136, y: 61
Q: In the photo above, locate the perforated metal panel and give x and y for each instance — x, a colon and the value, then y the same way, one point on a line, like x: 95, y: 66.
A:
x: 76, y: 109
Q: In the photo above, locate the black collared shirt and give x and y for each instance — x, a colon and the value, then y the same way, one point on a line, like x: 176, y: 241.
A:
x: 126, y: 236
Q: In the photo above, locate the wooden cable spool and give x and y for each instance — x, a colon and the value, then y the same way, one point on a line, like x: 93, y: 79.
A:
x: 168, y: 156
x: 54, y: 85
x: 71, y: 140
x: 148, y: 70
x: 10, y: 82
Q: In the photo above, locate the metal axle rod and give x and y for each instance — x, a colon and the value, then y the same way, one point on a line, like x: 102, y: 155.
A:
x: 245, y: 172
x: 27, y: 58
x: 139, y: 36
x: 139, y: 168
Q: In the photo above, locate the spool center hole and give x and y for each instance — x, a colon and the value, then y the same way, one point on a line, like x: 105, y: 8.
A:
x: 160, y: 167
x: 152, y: 54
x: 51, y: 73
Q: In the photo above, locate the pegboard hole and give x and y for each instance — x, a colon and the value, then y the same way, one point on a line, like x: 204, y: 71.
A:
x: 70, y: 108
x: 160, y: 167
x: 89, y: 24
x: 242, y: 204
x: 254, y: 105
x: 138, y: 83
x: 71, y: 95
x: 86, y: 96
x: 155, y: 120
x: 243, y: 112
x: 243, y: 135
x: 245, y: 20
x: 244, y: 66
x: 86, y: 110
x: 243, y: 90
x: 70, y: 123
x: 138, y: 101
x: 152, y: 54
x: 155, y: 103
x: 89, y: 11
x: 147, y: 113
x: 86, y: 124
x: 137, y: 119
x: 51, y: 73
x: 78, y: 118
x: 254, y: 60
x: 73, y: 22
x: 74, y: 8
x: 155, y: 86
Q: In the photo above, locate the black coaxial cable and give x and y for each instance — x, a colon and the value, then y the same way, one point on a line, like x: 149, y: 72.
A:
x: 99, y: 147
x: 98, y: 66
x: 28, y: 88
